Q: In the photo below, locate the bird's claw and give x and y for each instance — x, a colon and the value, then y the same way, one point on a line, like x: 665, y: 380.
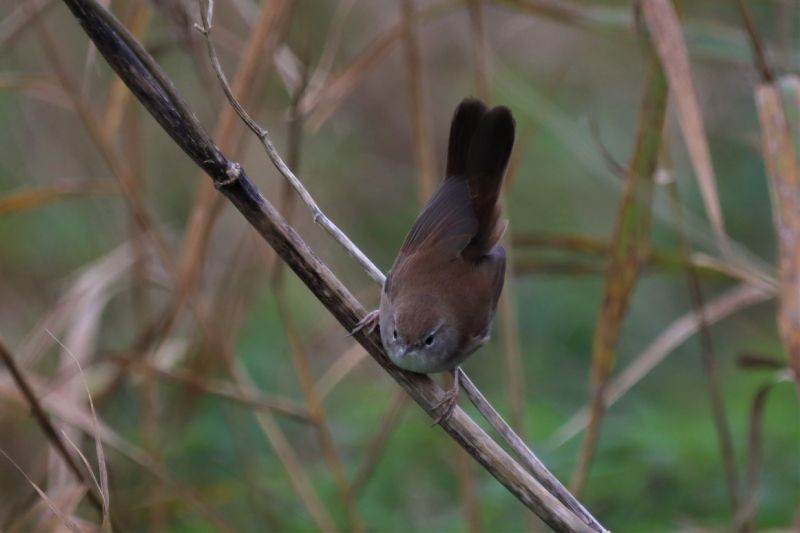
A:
x: 448, y: 401
x: 368, y: 323
x: 447, y: 404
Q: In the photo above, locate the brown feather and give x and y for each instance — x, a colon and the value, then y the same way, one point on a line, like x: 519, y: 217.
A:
x: 489, y: 153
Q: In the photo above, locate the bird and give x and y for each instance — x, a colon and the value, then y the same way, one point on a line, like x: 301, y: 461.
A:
x: 441, y: 293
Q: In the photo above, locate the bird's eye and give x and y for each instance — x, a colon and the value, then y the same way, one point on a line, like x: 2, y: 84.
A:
x: 429, y: 340
x: 394, y: 334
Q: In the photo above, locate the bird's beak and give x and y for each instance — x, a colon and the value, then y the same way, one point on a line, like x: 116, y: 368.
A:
x: 405, y: 350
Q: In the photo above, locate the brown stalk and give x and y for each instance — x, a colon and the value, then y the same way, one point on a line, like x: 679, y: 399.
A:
x: 36, y: 86
x: 78, y: 417
x: 346, y: 362
x: 47, y: 427
x: 664, y: 25
x: 324, y: 103
x: 747, y: 513
x: 508, y: 319
x: 759, y: 55
x: 480, y: 48
x: 132, y: 63
x: 709, y: 358
x: 378, y: 442
x: 525, y: 267
x: 739, y: 297
x: 784, y: 181
x: 21, y: 18
x: 317, y: 411
x: 222, y: 389
x: 467, y: 491
x: 220, y: 344
x: 33, y: 197
x: 549, y: 9
x: 288, y: 458
x: 665, y: 259
x: 420, y: 130
x: 630, y: 245
x: 118, y: 94
x: 207, y: 204
x: 300, y: 360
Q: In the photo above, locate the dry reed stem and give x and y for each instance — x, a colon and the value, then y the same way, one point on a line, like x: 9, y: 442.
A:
x: 747, y: 512
x: 320, y: 105
x: 36, y: 86
x: 345, y: 363
x: 729, y: 302
x: 289, y: 460
x: 480, y: 48
x: 507, y: 314
x: 78, y: 417
x: 509, y: 332
x: 530, y: 462
x: 708, y: 356
x: 420, y: 130
x: 206, y: 203
x: 65, y: 520
x: 118, y: 94
x: 662, y: 258
x: 378, y: 442
x: 669, y: 43
x: 102, y: 485
x: 550, y: 9
x: 266, y: 141
x: 19, y: 19
x: 132, y: 63
x: 629, y: 248
x: 784, y: 181
x: 33, y: 197
x: 300, y: 359
x: 222, y: 389
x: 47, y: 426
x: 316, y: 409
x: 467, y: 490
x: 759, y: 56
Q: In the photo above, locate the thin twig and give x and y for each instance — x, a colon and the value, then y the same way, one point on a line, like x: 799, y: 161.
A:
x: 263, y: 136
x: 389, y: 421
x: 221, y: 389
x: 759, y: 55
x: 524, y: 454
x: 710, y: 365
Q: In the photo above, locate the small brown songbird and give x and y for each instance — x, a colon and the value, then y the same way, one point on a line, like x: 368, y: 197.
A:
x: 440, y: 296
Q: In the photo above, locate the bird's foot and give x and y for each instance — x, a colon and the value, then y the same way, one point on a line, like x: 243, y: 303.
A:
x: 448, y: 402
x: 368, y: 323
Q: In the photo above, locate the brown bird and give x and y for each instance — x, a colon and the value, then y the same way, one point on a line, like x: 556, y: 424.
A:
x: 440, y: 296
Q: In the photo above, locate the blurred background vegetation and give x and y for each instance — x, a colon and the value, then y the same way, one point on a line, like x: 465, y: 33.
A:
x: 222, y: 385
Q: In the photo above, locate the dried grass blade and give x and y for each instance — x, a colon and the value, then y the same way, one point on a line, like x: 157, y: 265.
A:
x: 784, y: 180
x: 724, y: 305
x: 747, y: 513
x: 101, y: 458
x: 708, y: 355
x: 662, y: 20
x: 69, y: 524
x: 629, y: 248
